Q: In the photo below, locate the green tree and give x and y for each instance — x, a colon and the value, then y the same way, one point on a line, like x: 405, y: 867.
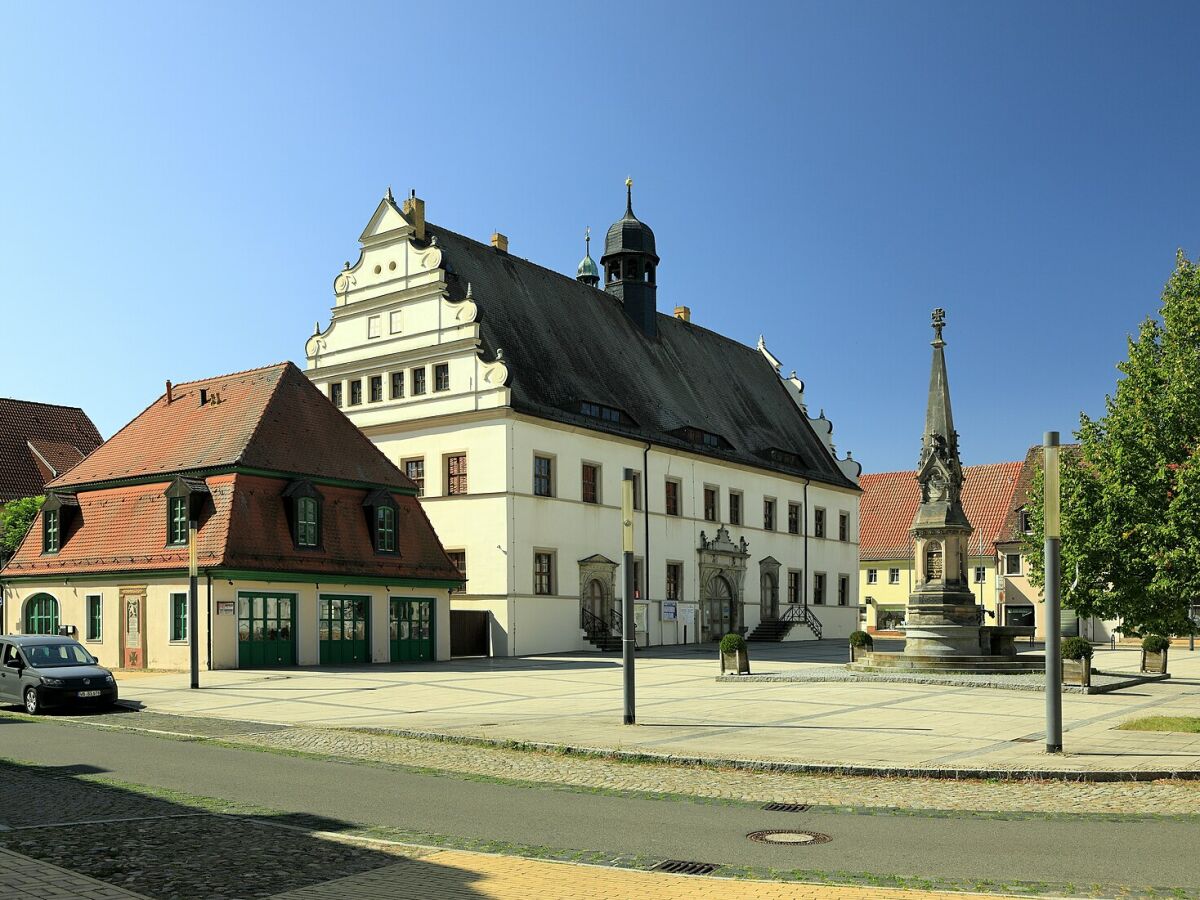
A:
x: 1131, y: 489
x: 15, y: 518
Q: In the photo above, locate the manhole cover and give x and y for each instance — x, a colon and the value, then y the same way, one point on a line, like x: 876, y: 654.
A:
x: 794, y: 838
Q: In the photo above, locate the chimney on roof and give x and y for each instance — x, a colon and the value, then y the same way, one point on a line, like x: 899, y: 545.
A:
x: 414, y: 211
x: 169, y: 395
x: 500, y: 242
x: 203, y: 396
x: 683, y: 313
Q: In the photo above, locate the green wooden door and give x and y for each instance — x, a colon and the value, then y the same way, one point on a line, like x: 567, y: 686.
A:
x: 345, y: 629
x: 41, y: 615
x: 410, y: 625
x: 266, y: 630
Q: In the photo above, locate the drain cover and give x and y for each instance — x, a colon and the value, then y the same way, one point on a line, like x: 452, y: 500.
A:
x: 793, y: 838
x: 786, y: 807
x: 686, y: 867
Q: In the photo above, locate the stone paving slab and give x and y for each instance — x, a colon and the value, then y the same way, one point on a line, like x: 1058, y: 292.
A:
x: 25, y: 878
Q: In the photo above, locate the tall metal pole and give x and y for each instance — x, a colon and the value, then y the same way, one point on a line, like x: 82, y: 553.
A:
x: 1053, y: 528
x: 193, y: 606
x: 628, y: 625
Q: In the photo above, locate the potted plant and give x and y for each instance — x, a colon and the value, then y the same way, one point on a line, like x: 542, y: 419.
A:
x: 734, y: 657
x: 1154, y: 654
x: 861, y: 644
x: 1077, y: 661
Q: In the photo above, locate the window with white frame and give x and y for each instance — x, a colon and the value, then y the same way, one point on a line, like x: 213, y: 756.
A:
x: 893, y: 576
x: 1012, y: 563
x: 872, y: 576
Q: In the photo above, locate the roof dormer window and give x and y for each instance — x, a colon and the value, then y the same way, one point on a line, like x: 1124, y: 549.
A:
x: 50, y: 531
x: 303, y: 504
x: 56, y: 517
x: 382, y: 516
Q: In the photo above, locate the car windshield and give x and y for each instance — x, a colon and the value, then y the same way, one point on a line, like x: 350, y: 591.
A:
x: 45, y: 656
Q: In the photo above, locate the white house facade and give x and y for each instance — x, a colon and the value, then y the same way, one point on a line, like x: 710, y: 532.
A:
x: 517, y: 398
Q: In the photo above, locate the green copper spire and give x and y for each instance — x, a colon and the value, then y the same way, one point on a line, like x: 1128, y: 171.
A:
x: 587, y: 272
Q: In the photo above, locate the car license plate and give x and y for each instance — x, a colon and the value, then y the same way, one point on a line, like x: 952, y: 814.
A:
x: 90, y: 693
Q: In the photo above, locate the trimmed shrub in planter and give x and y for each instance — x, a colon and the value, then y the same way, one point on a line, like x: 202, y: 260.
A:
x: 734, y: 657
x: 861, y: 643
x: 1154, y: 654
x: 1077, y: 661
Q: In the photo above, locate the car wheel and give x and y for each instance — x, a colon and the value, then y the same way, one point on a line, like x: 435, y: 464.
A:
x: 33, y: 705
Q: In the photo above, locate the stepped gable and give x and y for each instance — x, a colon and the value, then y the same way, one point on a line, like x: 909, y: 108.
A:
x: 38, y: 442
x: 890, y: 501
x: 565, y: 342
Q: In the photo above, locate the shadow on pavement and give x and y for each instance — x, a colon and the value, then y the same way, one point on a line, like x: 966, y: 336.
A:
x: 162, y: 848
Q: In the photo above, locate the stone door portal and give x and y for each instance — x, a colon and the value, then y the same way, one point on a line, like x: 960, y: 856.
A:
x: 718, y: 612
x: 133, y: 628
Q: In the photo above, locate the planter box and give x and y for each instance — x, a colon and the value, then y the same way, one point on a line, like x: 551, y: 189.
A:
x: 857, y: 653
x: 1154, y: 663
x: 1077, y: 671
x: 737, y: 663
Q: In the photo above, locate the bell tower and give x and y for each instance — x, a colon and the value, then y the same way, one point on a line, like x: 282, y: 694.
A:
x: 630, y: 266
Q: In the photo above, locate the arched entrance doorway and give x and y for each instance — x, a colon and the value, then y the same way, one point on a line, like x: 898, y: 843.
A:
x: 41, y: 615
x: 718, y: 612
x: 596, y: 599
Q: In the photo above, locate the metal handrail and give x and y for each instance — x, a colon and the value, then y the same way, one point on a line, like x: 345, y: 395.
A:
x: 810, y: 619
x: 617, y: 621
x: 590, y: 622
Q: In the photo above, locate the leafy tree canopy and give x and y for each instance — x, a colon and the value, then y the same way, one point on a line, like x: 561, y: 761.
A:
x: 15, y: 518
x: 1131, y: 490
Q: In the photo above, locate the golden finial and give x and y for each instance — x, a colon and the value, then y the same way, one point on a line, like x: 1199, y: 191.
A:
x: 628, y: 182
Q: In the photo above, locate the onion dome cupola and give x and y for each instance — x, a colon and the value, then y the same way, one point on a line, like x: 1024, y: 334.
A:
x: 587, y: 271
x: 630, y: 265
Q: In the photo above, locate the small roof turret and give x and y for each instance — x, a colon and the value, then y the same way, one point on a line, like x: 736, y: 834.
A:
x: 588, y: 272
x: 629, y: 234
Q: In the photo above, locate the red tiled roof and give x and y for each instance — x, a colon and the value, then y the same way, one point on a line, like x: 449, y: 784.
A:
x: 271, y: 418
x: 890, y: 499
x: 124, y: 529
x: 63, y: 434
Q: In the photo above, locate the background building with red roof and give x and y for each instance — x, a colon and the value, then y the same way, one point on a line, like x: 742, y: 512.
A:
x: 311, y: 545
x: 890, y: 501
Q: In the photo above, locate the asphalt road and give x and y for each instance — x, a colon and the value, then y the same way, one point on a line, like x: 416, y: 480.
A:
x: 962, y: 847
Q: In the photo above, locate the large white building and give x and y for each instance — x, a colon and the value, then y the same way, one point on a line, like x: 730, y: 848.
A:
x: 517, y: 397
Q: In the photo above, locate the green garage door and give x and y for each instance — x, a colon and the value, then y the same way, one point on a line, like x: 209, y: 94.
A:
x: 410, y: 627
x: 345, y: 630
x: 266, y: 630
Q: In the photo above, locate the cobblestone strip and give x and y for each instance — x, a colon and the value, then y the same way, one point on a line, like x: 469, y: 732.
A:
x: 22, y: 878
x: 1139, y: 798
x: 458, y: 875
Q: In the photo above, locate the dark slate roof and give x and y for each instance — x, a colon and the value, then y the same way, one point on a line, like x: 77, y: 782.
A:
x: 565, y: 342
x: 61, y: 435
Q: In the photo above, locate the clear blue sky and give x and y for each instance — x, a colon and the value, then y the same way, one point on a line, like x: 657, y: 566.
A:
x: 179, y: 184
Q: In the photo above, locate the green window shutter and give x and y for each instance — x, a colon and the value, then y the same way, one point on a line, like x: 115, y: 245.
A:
x: 50, y: 542
x: 177, y: 532
x: 385, y: 529
x: 179, y: 623
x: 307, y: 522
x: 93, y: 617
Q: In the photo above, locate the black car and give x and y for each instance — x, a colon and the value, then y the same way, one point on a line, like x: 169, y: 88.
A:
x: 40, y: 671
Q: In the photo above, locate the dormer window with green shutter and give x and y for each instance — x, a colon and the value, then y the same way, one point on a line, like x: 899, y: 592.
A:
x: 304, y: 514
x: 177, y: 520
x: 56, y: 519
x: 382, y: 517
x: 50, y: 531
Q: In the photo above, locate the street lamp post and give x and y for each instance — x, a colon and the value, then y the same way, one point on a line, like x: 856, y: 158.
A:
x: 193, y: 612
x: 1053, y: 550
x: 628, y: 625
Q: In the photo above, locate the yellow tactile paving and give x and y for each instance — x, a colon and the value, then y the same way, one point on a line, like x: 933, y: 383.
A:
x: 516, y: 878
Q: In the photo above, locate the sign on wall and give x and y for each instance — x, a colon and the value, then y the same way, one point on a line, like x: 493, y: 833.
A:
x: 639, y: 618
x: 687, y: 615
x: 224, y: 607
x: 670, y: 610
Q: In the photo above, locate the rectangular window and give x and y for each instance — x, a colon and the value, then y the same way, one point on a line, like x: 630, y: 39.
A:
x: 177, y: 520
x: 94, y: 616
x: 843, y: 590
x: 374, y: 327
x: 793, y: 518
x: 397, y: 385
x: 356, y: 392
x: 793, y: 588
x: 672, y: 497
x: 1012, y: 564
x: 980, y: 574
x: 50, y: 531
x: 893, y: 576
x: 441, y: 377
x: 385, y: 529
x: 638, y: 593
x: 307, y: 522
x: 591, y: 483
x: 179, y: 622
x: 637, y: 490
x: 872, y: 576
x: 335, y: 393
x: 843, y: 526
x: 543, y: 476
x: 819, y: 588
x: 768, y: 514
x: 1026, y: 525
x: 543, y: 573
x: 456, y: 473
x: 376, y: 388
x: 418, y: 382
x: 459, y: 558
x: 394, y: 321
x: 735, y: 507
x: 415, y: 470
x: 674, y: 580
x: 710, y: 504
x: 819, y: 523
